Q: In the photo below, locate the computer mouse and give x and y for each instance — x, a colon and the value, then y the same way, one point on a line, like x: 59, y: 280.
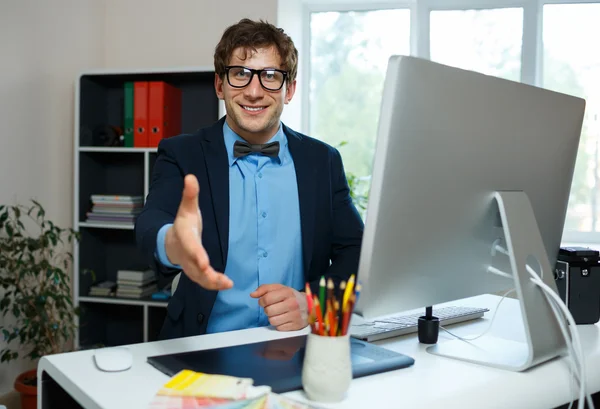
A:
x: 113, y: 359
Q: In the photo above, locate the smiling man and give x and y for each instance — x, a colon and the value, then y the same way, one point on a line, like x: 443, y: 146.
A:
x: 248, y: 209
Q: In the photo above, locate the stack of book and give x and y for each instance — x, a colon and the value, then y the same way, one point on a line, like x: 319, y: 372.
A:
x: 115, y: 209
x: 103, y: 289
x: 136, y: 283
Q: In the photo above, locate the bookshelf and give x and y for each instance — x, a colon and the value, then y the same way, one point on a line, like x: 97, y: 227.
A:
x: 106, y: 247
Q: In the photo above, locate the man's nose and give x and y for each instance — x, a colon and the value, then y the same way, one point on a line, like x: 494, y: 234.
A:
x: 254, y: 89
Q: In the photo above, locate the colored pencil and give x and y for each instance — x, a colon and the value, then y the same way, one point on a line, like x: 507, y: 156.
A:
x: 357, y: 291
x: 348, y: 291
x: 319, y: 316
x: 322, y: 291
x: 332, y: 317
x: 330, y: 295
x: 309, y: 298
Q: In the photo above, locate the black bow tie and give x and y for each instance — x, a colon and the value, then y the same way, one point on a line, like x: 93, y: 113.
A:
x: 244, y: 148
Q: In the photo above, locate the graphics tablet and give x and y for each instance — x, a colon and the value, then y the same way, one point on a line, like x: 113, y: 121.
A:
x: 276, y: 363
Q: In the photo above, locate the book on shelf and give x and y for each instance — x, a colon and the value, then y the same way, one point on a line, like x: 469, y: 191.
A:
x: 136, y: 292
x: 136, y: 274
x: 115, y: 209
x: 136, y: 282
x: 103, y: 289
x: 96, y: 198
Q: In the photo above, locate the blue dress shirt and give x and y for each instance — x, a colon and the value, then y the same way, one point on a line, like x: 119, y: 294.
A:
x: 265, y: 243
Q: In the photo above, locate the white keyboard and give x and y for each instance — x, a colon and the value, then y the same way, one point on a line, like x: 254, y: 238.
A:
x: 407, y: 324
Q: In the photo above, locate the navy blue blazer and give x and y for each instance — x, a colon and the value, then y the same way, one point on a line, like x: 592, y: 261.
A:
x: 331, y: 226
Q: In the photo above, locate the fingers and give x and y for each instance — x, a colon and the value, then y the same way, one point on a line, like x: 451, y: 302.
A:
x: 278, y: 309
x: 189, y: 199
x: 285, y: 306
x: 264, y: 289
x: 291, y: 326
x: 290, y: 321
x: 208, y: 278
x: 275, y: 296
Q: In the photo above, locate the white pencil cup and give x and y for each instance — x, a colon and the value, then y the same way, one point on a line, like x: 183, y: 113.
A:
x: 327, y: 368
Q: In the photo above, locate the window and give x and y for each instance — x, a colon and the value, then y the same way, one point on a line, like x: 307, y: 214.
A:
x: 487, y: 41
x: 349, y: 51
x: 572, y: 65
x: 348, y: 59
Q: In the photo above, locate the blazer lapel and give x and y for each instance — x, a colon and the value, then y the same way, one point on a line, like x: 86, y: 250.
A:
x: 217, y: 169
x: 306, y: 178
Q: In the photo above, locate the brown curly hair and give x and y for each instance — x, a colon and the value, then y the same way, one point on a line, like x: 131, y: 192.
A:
x: 252, y: 35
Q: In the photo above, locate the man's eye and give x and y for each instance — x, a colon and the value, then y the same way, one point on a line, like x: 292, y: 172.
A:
x: 269, y: 75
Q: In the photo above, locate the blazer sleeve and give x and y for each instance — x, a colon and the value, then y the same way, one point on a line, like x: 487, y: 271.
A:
x: 347, y: 227
x: 161, y: 205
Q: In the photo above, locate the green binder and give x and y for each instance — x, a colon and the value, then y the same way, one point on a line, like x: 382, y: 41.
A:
x: 128, y: 119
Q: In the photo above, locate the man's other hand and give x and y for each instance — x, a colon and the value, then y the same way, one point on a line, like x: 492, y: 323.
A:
x: 285, y: 307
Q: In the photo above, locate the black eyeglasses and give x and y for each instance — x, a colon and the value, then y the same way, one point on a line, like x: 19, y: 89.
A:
x: 270, y: 79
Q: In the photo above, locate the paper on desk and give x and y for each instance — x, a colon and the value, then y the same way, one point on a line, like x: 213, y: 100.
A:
x: 197, y: 384
x: 189, y: 389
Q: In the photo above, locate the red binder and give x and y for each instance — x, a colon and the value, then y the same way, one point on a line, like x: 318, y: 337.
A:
x: 140, y: 114
x: 164, y: 107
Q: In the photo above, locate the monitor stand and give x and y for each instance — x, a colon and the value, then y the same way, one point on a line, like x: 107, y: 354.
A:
x: 543, y: 336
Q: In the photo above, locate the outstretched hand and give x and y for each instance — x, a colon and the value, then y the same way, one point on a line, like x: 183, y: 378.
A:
x: 183, y: 241
x: 286, y: 308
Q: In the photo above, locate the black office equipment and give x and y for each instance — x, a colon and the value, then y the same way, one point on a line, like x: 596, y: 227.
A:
x: 276, y: 363
x: 577, y: 277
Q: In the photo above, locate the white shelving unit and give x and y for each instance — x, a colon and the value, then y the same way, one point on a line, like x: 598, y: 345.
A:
x: 106, y: 248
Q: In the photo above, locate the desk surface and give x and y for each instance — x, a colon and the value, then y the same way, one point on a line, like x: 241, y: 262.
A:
x: 432, y: 382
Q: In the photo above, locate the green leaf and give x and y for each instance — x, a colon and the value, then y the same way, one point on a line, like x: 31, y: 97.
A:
x: 4, y: 303
x: 6, y: 354
x: 16, y: 310
x: 9, y: 230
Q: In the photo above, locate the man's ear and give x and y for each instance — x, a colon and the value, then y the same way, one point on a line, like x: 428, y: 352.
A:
x: 290, y: 91
x: 219, y: 86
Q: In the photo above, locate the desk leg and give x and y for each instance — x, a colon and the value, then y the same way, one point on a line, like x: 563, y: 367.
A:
x: 53, y: 396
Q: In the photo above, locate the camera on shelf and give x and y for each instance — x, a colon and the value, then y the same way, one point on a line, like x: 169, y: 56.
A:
x: 577, y: 275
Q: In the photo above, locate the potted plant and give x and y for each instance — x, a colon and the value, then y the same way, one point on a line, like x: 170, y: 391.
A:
x: 34, y: 280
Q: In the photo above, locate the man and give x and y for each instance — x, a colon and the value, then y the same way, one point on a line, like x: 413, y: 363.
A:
x: 249, y: 209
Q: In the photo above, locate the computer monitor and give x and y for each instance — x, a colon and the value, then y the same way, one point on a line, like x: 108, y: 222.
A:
x: 462, y: 159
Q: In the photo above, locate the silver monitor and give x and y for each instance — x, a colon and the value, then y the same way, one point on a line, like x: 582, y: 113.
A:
x: 470, y: 172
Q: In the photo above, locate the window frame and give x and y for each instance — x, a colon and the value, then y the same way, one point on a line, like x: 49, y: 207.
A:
x: 531, y: 51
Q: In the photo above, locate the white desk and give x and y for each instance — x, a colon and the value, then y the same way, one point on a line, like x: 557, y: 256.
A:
x: 432, y: 381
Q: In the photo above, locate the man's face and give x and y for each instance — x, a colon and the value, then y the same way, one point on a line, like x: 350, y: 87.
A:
x: 254, y: 112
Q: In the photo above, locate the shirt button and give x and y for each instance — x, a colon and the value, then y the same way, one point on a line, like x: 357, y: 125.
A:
x: 260, y: 175
x: 200, y: 318
x: 264, y: 214
x: 265, y: 254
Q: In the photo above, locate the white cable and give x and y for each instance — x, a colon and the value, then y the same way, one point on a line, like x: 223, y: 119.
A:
x: 500, y: 273
x: 562, y: 313
x: 573, y: 364
x: 574, y: 334
x: 490, y: 324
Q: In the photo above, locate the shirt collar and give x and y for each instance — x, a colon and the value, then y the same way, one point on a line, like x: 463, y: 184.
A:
x: 230, y: 138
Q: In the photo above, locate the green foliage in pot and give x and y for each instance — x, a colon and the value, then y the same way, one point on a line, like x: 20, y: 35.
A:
x: 34, y: 283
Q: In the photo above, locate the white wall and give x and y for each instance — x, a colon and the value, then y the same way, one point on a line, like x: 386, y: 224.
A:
x: 158, y: 33
x: 43, y: 45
